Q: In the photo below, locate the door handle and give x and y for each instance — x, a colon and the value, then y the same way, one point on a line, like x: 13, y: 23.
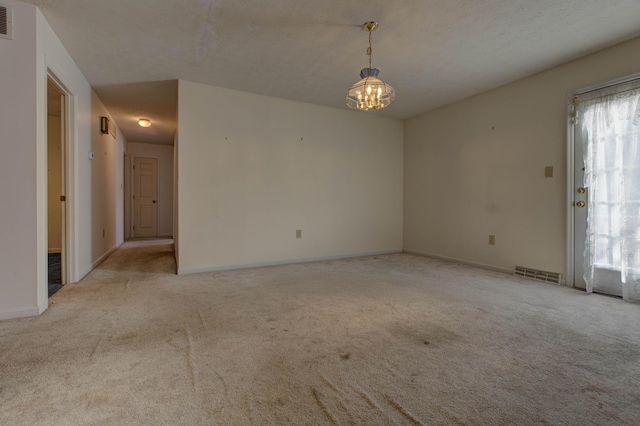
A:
x: 580, y: 204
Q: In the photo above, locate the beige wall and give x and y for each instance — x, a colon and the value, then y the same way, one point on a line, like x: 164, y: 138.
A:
x: 104, y: 203
x: 95, y: 198
x: 254, y: 169
x: 54, y: 183
x: 476, y: 168
x: 18, y: 233
x: 164, y: 155
x: 248, y: 180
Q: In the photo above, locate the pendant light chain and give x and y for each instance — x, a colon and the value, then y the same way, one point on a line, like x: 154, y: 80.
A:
x: 369, y: 50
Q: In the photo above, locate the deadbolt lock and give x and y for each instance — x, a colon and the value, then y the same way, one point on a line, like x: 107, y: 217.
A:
x: 581, y: 190
x: 580, y: 204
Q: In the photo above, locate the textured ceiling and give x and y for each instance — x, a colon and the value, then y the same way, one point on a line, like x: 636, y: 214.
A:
x: 434, y: 52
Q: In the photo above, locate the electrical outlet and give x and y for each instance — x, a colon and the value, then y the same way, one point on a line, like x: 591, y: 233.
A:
x: 548, y: 172
x: 298, y: 233
x: 492, y: 240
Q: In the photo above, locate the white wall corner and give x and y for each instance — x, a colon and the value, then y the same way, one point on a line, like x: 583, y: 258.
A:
x: 460, y: 261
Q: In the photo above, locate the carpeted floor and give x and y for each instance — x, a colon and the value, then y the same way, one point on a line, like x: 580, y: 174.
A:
x: 395, y: 339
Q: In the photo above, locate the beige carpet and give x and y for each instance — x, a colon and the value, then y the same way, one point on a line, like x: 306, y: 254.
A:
x: 395, y: 339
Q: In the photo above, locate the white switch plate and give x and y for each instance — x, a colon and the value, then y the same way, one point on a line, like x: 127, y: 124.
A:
x: 90, y: 155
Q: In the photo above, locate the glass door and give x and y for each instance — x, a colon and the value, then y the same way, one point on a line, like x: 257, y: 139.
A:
x: 607, y: 185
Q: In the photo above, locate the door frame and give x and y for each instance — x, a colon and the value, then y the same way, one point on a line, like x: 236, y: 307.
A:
x: 571, y: 192
x: 63, y: 178
x: 570, y: 272
x: 68, y: 186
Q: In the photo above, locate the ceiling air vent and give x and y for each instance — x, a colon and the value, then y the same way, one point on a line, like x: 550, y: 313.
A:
x: 5, y: 22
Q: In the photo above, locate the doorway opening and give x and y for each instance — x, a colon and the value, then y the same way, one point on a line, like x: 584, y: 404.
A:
x: 57, y: 146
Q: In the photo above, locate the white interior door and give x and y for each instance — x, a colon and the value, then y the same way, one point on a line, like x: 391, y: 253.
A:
x: 63, y: 187
x: 145, y: 197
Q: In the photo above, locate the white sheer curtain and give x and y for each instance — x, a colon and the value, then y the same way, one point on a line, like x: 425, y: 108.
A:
x: 611, y: 125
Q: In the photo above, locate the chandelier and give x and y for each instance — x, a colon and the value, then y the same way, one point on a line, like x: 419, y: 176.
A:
x: 370, y: 93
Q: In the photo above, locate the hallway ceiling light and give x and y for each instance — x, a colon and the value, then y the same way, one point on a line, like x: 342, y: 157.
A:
x: 370, y: 93
x: 144, y: 122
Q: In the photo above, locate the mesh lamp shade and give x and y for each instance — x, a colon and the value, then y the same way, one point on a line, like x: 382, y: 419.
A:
x: 370, y: 93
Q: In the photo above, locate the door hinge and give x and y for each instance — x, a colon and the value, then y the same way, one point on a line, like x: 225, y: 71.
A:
x: 575, y: 101
x: 134, y: 197
x: 63, y: 198
x: 134, y: 227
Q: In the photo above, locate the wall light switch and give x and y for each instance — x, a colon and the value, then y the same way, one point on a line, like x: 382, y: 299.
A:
x: 298, y: 233
x: 492, y: 240
x: 90, y: 155
x: 548, y: 171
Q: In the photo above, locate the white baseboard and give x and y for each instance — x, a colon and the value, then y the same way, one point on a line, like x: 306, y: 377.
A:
x: 43, y: 306
x: 283, y: 262
x: 94, y: 265
x: 6, y: 314
x: 464, y: 262
x: 563, y: 282
x: 104, y: 256
x: 83, y: 273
